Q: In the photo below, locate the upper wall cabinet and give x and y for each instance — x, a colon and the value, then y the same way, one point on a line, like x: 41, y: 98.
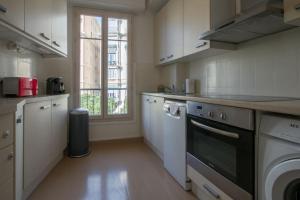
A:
x: 292, y: 12
x: 38, y: 16
x: 199, y: 19
x: 12, y: 11
x: 169, y: 32
x: 59, y: 25
x: 180, y: 24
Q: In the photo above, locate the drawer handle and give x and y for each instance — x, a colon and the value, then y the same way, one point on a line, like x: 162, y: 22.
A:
x: 10, y: 156
x: 297, y: 6
x: 45, y: 107
x: 170, y: 56
x: 6, y: 134
x: 3, y: 9
x: 162, y: 59
x: 56, y: 104
x: 201, y: 45
x: 211, y: 191
x: 56, y: 44
x: 43, y: 35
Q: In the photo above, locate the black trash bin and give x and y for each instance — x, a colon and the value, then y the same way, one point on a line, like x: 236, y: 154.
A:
x: 78, y: 133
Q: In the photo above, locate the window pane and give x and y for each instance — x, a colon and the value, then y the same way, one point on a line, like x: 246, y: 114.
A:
x: 91, y: 26
x: 117, y: 93
x: 91, y: 66
x: 117, y: 29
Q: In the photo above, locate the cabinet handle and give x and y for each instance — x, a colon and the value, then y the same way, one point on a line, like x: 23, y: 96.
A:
x: 201, y: 45
x: 43, y: 35
x: 6, y: 134
x: 297, y: 6
x: 225, y: 25
x: 148, y: 100
x: 211, y: 191
x: 162, y: 59
x: 154, y: 101
x: 170, y: 56
x: 10, y: 156
x: 3, y: 9
x: 45, y: 107
x: 56, y: 104
x: 19, y: 120
x: 56, y: 44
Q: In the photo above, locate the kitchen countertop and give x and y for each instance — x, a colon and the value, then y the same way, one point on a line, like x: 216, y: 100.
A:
x: 291, y: 107
x: 8, y: 104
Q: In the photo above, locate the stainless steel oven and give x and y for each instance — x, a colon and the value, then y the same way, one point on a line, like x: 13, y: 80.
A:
x: 220, y: 146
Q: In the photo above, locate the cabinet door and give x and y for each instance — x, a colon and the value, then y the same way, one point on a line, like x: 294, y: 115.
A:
x: 157, y: 123
x: 196, y: 22
x: 174, y: 30
x: 38, y: 19
x: 59, y: 126
x: 12, y: 12
x: 146, y: 117
x: 59, y: 26
x: 37, y: 140
x: 160, y: 36
x: 292, y: 12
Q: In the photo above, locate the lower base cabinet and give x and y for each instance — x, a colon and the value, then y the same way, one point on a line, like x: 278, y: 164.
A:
x: 152, y: 116
x: 45, y: 137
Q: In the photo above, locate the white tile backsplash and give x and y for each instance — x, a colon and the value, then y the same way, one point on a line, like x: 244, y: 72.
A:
x: 267, y: 66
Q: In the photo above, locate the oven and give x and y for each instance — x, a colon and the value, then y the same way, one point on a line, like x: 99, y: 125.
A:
x: 220, y: 146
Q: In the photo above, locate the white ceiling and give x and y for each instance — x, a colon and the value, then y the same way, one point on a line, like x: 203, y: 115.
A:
x: 135, y: 6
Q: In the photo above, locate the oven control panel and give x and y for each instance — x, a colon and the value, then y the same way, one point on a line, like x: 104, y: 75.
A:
x: 239, y: 117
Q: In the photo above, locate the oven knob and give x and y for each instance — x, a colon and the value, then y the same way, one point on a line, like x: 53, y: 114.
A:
x: 223, y: 116
x: 211, y: 114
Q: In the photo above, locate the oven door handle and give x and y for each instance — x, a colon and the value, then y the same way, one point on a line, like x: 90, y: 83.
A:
x: 215, y: 130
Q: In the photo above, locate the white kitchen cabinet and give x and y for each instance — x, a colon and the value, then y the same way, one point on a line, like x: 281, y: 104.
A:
x: 45, y: 138
x: 174, y: 30
x: 37, y: 141
x: 160, y: 37
x: 292, y: 12
x: 59, y: 125
x: 59, y: 25
x: 146, y: 117
x: 169, y: 32
x: 152, y: 113
x: 198, y: 19
x: 38, y: 19
x: 196, y: 22
x: 12, y: 12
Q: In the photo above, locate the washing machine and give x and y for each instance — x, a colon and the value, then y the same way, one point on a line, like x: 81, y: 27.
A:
x: 279, y: 158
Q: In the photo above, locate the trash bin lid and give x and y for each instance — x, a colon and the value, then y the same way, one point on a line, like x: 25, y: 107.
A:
x: 79, y: 111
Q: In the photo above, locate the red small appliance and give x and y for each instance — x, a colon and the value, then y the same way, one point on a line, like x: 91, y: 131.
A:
x: 20, y: 86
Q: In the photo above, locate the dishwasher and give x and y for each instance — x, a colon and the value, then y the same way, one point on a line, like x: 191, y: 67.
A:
x: 175, y: 142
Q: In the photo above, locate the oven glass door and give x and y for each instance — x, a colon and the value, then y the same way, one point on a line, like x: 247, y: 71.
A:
x: 226, y: 149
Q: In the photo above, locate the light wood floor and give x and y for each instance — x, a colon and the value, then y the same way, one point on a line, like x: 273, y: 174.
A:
x: 113, y: 171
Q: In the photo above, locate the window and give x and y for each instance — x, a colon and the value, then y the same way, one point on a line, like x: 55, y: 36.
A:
x: 103, y: 71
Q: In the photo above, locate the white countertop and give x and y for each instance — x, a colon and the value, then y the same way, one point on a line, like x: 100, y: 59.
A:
x: 291, y: 107
x: 8, y: 105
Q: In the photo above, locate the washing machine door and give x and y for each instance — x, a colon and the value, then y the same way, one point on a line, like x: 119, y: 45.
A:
x: 283, y: 181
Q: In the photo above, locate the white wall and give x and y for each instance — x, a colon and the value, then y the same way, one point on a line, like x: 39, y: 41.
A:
x: 24, y: 63
x: 145, y: 77
x: 268, y: 66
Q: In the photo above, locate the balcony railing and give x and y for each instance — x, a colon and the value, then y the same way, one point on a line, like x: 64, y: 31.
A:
x: 117, y: 103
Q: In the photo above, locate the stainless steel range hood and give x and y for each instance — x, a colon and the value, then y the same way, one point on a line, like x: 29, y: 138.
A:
x: 260, y: 20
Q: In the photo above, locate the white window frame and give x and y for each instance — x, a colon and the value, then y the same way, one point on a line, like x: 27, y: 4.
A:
x: 104, y: 100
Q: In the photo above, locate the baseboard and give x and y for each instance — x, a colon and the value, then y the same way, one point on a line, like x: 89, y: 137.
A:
x: 118, y: 140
